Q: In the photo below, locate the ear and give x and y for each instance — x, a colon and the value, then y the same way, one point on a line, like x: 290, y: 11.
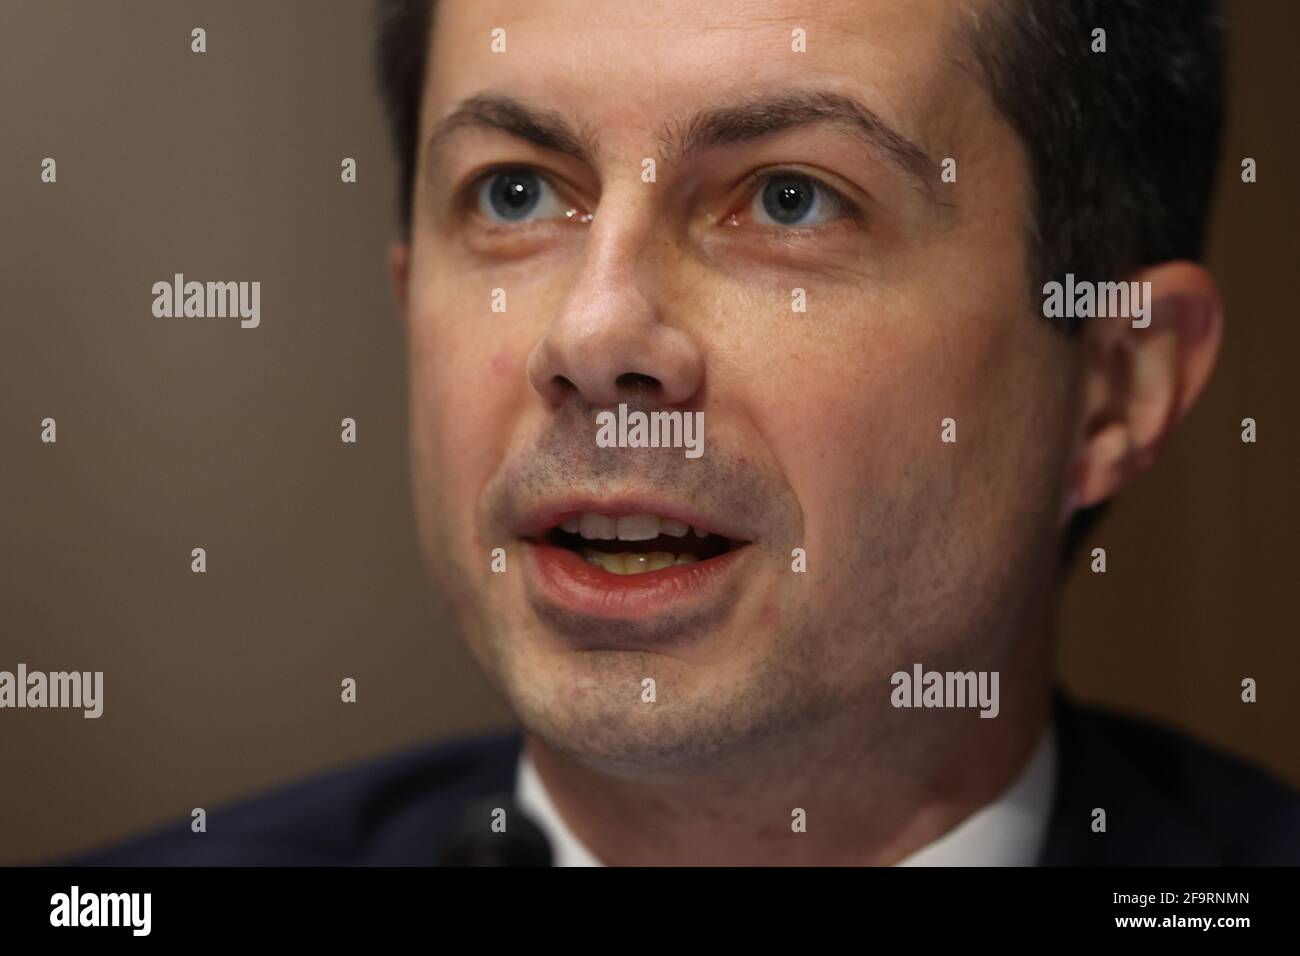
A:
x: 1136, y: 383
x: 398, y: 263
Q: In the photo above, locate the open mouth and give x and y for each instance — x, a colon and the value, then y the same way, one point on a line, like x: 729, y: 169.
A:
x: 637, y: 543
x: 608, y: 570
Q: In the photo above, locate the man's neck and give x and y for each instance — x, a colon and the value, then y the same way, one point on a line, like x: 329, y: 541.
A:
x: 867, y: 798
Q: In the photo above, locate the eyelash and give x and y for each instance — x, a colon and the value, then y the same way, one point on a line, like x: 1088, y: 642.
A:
x: 846, y: 208
x: 465, y: 202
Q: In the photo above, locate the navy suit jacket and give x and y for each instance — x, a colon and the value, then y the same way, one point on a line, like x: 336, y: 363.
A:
x: 1168, y: 801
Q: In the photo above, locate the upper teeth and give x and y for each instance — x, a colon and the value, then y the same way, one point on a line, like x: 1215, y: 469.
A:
x: 596, y: 527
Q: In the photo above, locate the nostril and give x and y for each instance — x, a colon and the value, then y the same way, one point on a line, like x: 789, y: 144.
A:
x: 635, y: 381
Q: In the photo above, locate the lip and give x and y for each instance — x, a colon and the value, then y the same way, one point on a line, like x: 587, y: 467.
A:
x: 561, y: 580
x: 570, y: 583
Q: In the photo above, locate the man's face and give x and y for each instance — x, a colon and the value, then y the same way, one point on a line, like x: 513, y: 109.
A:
x: 822, y: 428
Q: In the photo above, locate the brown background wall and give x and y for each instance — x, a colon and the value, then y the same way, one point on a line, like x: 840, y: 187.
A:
x: 197, y: 433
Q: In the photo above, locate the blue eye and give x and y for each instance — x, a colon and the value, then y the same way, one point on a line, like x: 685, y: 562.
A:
x: 518, y: 195
x: 791, y: 199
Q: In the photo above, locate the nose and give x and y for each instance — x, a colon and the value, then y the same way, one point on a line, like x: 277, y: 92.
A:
x: 609, y: 336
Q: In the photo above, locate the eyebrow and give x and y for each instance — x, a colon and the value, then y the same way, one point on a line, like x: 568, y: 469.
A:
x: 494, y: 111
x: 763, y: 116
x: 729, y: 125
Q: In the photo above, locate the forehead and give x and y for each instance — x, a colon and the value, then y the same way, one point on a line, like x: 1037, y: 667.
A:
x: 626, y: 68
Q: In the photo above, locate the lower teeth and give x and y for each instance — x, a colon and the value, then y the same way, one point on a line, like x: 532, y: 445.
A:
x: 625, y: 562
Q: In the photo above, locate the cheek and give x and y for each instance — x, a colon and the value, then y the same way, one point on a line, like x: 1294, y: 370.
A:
x: 857, y: 426
x: 465, y: 391
x: 856, y: 416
